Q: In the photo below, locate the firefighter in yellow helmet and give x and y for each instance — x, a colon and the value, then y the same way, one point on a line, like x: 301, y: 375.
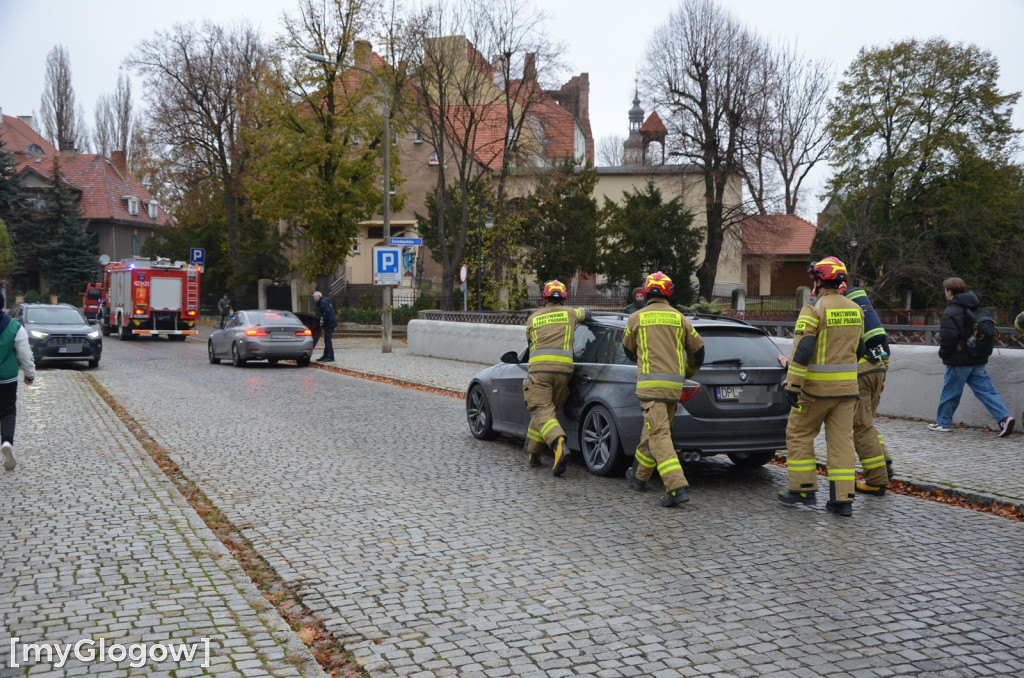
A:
x: 550, y: 333
x: 667, y: 350
x: 822, y: 388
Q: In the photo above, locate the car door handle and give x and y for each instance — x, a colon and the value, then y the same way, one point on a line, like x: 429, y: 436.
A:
x: 586, y: 378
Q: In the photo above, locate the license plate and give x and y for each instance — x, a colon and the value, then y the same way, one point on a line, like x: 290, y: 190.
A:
x: 73, y: 348
x: 729, y: 392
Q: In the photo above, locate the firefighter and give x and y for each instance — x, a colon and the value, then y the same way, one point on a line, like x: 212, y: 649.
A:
x: 550, y: 333
x: 871, y: 368
x: 821, y: 386
x: 667, y: 350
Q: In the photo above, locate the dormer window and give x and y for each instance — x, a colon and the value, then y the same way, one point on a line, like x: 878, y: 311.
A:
x: 153, y: 209
x: 133, y: 205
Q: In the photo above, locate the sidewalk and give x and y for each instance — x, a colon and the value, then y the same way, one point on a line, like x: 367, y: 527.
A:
x: 100, y: 547
x: 971, y: 461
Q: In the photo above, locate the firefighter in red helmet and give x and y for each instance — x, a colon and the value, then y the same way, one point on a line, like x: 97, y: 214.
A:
x: 550, y: 331
x: 667, y: 350
x: 821, y: 386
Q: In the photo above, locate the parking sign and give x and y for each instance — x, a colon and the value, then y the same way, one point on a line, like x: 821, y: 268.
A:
x: 387, y: 265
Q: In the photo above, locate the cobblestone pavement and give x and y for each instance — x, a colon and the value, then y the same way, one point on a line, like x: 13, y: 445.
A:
x: 99, y: 546
x: 430, y: 553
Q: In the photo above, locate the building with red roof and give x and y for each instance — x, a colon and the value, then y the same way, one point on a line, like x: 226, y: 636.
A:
x: 776, y: 253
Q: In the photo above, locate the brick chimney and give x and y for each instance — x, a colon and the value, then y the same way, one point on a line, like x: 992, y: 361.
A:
x: 530, y: 67
x: 362, y: 53
x: 119, y: 159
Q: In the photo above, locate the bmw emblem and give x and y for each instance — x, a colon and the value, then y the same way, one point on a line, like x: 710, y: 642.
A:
x: 743, y: 376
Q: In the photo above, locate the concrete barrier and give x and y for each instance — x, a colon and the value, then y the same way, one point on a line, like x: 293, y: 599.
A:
x: 911, y: 387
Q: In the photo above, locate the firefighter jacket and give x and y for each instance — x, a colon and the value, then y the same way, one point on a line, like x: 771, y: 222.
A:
x: 667, y: 350
x: 550, y: 333
x: 826, y: 347
x: 876, y: 343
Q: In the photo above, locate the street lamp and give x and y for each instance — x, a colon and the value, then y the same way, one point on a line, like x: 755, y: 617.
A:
x: 489, y: 224
x: 385, y: 319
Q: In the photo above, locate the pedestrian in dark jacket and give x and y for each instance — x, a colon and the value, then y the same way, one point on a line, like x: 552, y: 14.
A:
x: 14, y: 352
x: 962, y: 367
x: 328, y: 321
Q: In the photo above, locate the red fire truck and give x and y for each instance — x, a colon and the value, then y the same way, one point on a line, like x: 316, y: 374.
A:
x: 150, y: 297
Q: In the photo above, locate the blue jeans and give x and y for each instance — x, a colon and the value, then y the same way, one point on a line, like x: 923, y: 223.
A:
x: 977, y: 378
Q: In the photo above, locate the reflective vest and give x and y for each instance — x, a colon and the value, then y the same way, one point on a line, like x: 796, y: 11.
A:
x: 550, y: 333
x: 835, y: 324
x: 664, y: 342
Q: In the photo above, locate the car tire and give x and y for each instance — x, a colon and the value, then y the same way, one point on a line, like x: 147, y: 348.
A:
x: 95, y: 362
x: 177, y: 337
x: 122, y: 332
x: 599, y: 443
x: 751, y: 459
x: 104, y: 326
x: 214, y: 360
x: 303, y: 361
x: 478, y: 414
x: 272, y: 361
x: 236, y: 359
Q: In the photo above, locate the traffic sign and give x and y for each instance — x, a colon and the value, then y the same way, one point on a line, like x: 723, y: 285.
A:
x: 197, y: 256
x: 463, y: 271
x: 386, y: 265
x: 407, y: 241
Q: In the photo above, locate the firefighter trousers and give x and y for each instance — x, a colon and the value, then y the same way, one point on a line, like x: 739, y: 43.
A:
x: 656, y: 449
x: 805, y: 422
x: 545, y: 392
x: 866, y: 439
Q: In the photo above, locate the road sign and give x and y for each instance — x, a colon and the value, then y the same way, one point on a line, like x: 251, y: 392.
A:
x: 386, y: 265
x: 407, y: 241
x: 197, y: 256
x: 462, y: 274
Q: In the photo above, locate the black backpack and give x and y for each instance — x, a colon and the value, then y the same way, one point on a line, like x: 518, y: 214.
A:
x: 979, y: 333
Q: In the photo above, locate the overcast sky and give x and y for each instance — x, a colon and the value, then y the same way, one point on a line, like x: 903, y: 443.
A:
x: 605, y: 38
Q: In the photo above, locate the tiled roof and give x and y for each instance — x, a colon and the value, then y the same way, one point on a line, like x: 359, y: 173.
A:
x: 488, y: 142
x: 653, y: 124
x: 103, y: 189
x: 777, y: 234
x: 559, y: 125
x: 18, y: 136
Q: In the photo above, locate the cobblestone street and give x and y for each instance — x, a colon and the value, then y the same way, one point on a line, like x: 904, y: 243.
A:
x: 430, y: 553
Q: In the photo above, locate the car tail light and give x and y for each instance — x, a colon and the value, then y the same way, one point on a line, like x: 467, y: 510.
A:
x: 690, y: 389
x: 304, y: 333
x: 253, y: 332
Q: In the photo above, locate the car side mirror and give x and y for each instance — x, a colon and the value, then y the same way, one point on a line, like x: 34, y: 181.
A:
x: 510, y: 357
x: 92, y: 321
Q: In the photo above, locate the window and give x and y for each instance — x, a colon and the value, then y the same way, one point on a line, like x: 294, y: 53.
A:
x: 135, y: 245
x: 153, y: 214
x: 355, y: 248
x: 133, y: 205
x: 417, y: 138
x: 375, y: 232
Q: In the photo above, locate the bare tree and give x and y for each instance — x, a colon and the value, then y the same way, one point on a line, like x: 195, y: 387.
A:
x: 61, y: 119
x: 609, y: 150
x: 704, y: 71
x: 114, y: 121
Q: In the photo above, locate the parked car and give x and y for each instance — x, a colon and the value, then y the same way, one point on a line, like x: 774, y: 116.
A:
x: 261, y: 335
x: 734, y: 406
x: 91, y: 300
x: 60, y: 333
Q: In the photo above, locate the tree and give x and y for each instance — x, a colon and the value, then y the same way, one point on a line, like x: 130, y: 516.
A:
x: 609, y: 150
x: 8, y: 257
x: 63, y: 124
x: 115, y: 125
x: 317, y: 142
x: 921, y: 139
x: 646, y: 234
x: 704, y: 69
x: 563, y: 214
x: 66, y: 253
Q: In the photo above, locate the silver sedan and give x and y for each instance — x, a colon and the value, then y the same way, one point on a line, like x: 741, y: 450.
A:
x: 262, y: 335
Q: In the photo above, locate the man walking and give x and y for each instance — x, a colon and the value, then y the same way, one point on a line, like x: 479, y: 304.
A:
x: 964, y: 365
x: 821, y: 385
x: 328, y: 321
x: 667, y: 350
x: 224, y: 306
x: 14, y: 351
x: 550, y: 332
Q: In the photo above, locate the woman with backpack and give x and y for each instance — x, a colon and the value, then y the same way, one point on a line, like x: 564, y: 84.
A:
x: 964, y: 351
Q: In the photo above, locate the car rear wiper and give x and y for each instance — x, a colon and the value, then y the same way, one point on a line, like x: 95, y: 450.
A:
x: 727, y: 361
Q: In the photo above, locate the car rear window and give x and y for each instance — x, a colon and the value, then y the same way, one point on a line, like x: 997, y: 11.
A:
x: 726, y: 344
x: 273, y: 318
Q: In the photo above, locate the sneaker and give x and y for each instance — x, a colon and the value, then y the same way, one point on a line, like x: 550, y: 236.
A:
x: 8, y: 452
x: 840, y: 508
x: 535, y: 460
x: 793, y: 498
x: 1005, y: 426
x: 638, y: 485
x: 939, y: 427
x: 673, y: 497
x: 864, y: 488
x: 561, y: 453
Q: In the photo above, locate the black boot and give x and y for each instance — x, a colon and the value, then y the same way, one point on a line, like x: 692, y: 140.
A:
x: 888, y: 469
x: 673, y: 497
x: 840, y: 508
x: 795, y: 498
x: 535, y: 459
x: 561, y: 453
x: 638, y: 485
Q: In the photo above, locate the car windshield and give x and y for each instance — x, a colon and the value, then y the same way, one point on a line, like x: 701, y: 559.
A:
x: 272, y: 318
x: 53, y: 316
x: 93, y: 294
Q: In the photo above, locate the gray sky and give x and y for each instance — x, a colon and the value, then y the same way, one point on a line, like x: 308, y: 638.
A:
x: 605, y: 38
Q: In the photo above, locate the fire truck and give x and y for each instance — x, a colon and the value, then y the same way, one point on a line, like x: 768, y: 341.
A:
x: 150, y: 297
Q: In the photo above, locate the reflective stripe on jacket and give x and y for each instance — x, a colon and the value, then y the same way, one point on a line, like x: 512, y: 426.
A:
x: 664, y: 343
x: 550, y: 333
x: 835, y: 324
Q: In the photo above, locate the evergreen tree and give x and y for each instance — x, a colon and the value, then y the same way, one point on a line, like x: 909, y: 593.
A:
x: 66, y: 253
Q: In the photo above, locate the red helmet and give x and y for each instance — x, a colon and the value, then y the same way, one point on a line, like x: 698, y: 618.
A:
x: 554, y: 289
x: 658, y: 284
x: 828, y: 269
